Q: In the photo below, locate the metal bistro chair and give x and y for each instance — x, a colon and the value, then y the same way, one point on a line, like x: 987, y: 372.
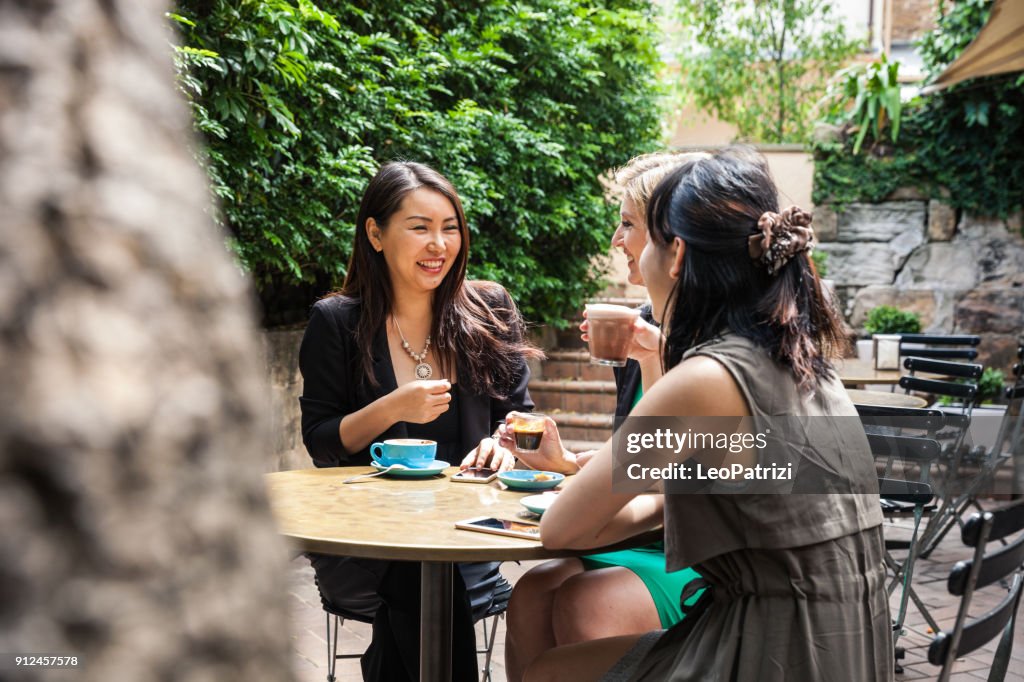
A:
x: 965, y: 389
x: 1009, y: 441
x: 336, y: 618
x: 953, y: 434
x: 940, y: 346
x: 901, y: 498
x: 982, y: 570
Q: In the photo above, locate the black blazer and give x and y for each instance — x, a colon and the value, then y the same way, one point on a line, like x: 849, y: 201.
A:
x: 627, y: 378
x: 331, y: 365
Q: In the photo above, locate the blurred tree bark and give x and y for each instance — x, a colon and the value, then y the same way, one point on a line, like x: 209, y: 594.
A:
x: 135, y: 531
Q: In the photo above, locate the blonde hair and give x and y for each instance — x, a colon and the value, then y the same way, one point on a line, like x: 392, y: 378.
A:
x: 638, y: 178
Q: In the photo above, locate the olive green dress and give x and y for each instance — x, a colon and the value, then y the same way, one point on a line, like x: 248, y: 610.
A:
x: 796, y: 581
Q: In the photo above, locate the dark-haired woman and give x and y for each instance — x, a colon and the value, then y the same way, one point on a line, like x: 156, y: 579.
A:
x: 795, y: 581
x: 409, y: 348
x: 565, y: 601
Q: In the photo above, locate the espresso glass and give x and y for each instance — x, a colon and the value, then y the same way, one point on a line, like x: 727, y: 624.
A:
x: 528, y: 430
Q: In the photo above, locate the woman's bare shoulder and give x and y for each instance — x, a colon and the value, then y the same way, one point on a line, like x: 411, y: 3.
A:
x: 700, y: 385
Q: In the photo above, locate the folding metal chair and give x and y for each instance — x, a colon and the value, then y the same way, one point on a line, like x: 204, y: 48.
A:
x: 1009, y: 440
x: 953, y: 435
x: 940, y: 346
x: 965, y: 391
x: 903, y: 438
x: 502, y: 595
x: 336, y: 618
x: 901, y: 498
x: 984, y: 462
x: 982, y: 570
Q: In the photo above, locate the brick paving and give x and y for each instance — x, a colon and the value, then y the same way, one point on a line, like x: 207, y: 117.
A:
x: 307, y: 624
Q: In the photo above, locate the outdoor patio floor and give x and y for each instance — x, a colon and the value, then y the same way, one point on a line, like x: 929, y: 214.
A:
x: 310, y: 648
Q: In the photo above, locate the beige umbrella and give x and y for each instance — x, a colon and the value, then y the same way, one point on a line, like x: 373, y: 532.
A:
x: 998, y: 47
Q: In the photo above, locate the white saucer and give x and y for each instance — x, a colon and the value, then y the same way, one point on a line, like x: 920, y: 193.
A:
x: 433, y: 469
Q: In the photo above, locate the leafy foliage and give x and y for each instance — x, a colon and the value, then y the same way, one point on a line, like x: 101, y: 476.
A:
x: 990, y: 387
x: 962, y: 144
x: 866, y: 96
x: 887, y: 319
x: 820, y: 259
x: 522, y: 105
x: 761, y: 65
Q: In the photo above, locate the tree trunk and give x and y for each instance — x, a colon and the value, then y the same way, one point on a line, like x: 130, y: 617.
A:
x: 136, y: 534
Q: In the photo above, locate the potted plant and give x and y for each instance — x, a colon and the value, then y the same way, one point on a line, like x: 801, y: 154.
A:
x: 884, y: 325
x: 990, y: 389
x: 987, y: 415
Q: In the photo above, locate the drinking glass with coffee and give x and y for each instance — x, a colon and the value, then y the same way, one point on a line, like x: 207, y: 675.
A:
x: 528, y: 429
x: 610, y: 331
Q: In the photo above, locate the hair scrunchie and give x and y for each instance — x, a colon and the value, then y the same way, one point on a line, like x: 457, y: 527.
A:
x: 780, y: 236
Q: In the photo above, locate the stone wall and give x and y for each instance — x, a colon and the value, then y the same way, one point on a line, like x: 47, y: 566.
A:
x: 961, y: 273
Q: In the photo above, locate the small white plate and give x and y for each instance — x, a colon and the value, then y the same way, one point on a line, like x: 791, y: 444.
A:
x: 538, y: 504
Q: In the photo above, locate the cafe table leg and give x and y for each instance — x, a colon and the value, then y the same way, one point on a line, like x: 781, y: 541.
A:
x: 436, y: 621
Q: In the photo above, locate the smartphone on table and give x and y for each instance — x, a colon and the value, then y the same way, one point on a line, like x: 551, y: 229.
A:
x: 475, y: 475
x: 489, y: 524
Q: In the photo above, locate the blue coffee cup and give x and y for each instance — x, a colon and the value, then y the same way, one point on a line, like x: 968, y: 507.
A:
x: 414, y: 453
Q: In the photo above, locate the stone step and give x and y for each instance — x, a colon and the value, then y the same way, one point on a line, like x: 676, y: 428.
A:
x: 569, y: 338
x: 573, y: 364
x: 581, y: 445
x: 583, y: 426
x: 585, y: 420
x: 570, y: 395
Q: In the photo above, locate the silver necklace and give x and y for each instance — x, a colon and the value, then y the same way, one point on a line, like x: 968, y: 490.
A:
x: 423, y: 370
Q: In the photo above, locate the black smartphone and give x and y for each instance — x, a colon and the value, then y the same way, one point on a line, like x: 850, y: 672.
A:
x: 475, y: 475
x: 517, y: 529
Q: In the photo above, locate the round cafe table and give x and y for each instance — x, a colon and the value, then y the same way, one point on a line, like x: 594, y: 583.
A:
x: 854, y: 372
x: 408, y: 520
x: 885, y: 399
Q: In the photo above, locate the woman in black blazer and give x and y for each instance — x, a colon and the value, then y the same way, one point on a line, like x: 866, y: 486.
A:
x: 409, y: 348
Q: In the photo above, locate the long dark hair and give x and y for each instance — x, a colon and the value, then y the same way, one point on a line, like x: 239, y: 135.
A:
x: 714, y: 205
x: 474, y: 321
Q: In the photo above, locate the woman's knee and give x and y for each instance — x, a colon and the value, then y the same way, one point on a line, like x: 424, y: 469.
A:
x: 539, y: 585
x: 602, y: 603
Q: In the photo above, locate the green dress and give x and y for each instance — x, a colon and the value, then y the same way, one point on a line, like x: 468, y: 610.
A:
x: 648, y: 563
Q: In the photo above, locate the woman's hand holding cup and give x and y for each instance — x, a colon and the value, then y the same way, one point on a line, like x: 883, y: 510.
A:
x: 420, y: 402
x: 549, y: 455
x: 645, y: 343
